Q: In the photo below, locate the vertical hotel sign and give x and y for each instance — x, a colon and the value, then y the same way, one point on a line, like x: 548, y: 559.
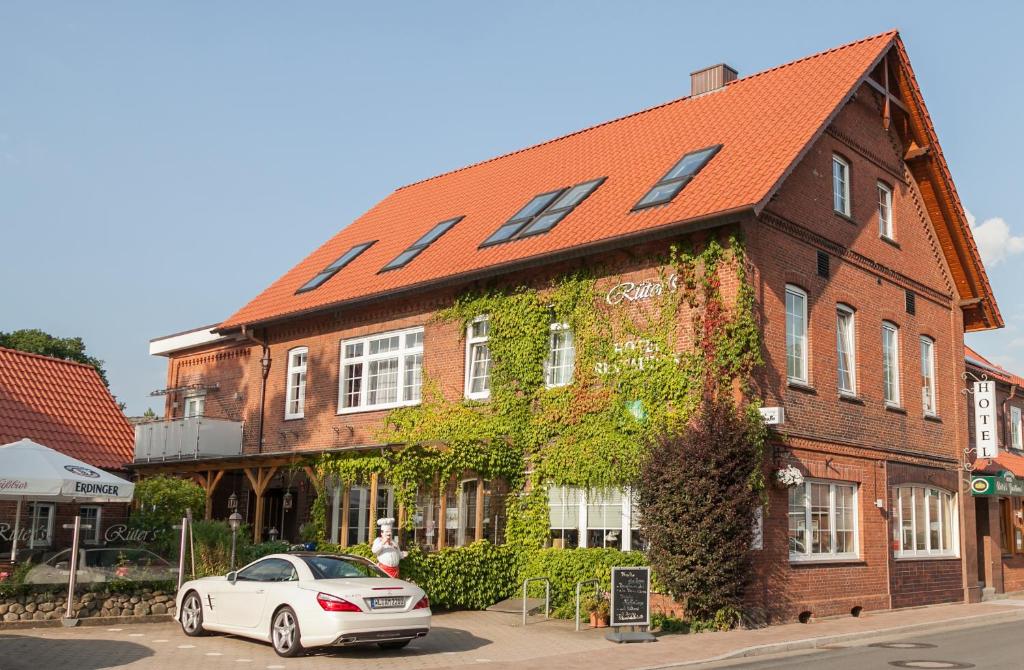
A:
x: 985, y: 419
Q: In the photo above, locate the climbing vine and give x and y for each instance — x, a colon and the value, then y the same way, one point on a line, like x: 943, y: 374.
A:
x: 640, y: 372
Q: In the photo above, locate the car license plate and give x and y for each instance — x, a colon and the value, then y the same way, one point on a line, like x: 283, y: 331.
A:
x: 387, y: 603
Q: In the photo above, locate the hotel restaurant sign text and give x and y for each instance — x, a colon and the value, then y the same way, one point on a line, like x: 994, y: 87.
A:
x: 985, y: 419
x: 1004, y: 484
x: 629, y: 291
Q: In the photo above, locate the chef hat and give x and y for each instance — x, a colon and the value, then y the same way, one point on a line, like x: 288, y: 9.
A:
x: 385, y: 522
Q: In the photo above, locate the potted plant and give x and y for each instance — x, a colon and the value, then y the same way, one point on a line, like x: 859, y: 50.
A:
x: 788, y: 477
x: 599, y: 609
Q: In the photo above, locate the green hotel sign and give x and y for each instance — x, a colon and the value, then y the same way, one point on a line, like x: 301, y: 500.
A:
x: 1003, y: 484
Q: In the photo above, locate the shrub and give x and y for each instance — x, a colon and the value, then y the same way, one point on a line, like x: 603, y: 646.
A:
x: 472, y: 577
x: 161, y: 503
x: 566, y: 567
x: 698, y: 492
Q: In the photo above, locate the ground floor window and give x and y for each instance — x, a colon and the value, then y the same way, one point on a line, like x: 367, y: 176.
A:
x: 601, y: 518
x: 1011, y: 516
x: 924, y: 522
x: 822, y: 521
x: 359, y: 530
x: 91, y: 516
x: 40, y: 524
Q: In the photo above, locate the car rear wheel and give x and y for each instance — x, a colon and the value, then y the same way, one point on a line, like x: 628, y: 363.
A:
x: 284, y: 633
x: 192, y: 615
x: 397, y: 644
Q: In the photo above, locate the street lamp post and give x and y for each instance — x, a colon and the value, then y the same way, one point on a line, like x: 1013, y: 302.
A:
x: 235, y: 520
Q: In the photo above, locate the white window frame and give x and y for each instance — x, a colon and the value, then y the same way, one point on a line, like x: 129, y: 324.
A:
x: 885, y: 217
x: 405, y: 354
x: 929, y: 400
x: 474, y: 344
x: 891, y: 364
x: 629, y: 516
x: 851, y: 355
x: 556, y: 330
x: 945, y: 498
x: 841, y: 181
x: 194, y: 406
x: 832, y: 555
x: 296, y: 380
x: 803, y: 377
x: 1016, y: 427
x: 33, y: 519
x: 92, y: 536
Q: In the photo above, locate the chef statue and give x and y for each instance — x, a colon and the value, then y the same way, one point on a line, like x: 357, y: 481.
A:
x: 386, y: 548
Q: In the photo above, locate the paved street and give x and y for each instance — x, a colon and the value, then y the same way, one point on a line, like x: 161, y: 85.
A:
x: 1000, y: 647
x: 461, y: 639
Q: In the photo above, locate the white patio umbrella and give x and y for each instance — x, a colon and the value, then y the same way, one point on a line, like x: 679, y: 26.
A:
x: 30, y: 471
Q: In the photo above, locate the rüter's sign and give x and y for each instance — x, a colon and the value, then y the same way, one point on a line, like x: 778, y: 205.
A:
x: 1004, y: 484
x: 631, y: 597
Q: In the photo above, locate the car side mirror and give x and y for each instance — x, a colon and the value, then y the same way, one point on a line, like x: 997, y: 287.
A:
x: 232, y: 577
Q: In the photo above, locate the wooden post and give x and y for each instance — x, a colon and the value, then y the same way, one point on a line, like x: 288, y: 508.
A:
x: 209, y: 482
x: 442, y: 514
x: 259, y: 479
x: 479, y: 509
x: 371, y: 526
x: 346, y: 490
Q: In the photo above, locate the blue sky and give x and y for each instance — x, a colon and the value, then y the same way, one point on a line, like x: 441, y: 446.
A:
x: 160, y: 163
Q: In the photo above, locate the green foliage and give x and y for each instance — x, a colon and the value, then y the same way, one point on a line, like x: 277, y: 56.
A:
x: 698, y: 494
x: 471, y: 577
x: 35, y: 341
x: 161, y: 502
x: 668, y: 623
x: 566, y: 567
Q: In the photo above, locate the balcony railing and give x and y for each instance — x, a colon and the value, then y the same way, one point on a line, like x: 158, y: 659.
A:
x: 187, y: 439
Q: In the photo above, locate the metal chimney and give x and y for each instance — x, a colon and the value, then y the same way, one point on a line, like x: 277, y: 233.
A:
x: 711, y: 79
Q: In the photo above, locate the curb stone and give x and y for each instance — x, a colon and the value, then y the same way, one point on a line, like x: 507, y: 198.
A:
x: 87, y: 621
x: 825, y: 640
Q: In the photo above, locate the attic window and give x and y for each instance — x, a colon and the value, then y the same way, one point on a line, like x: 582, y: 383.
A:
x: 543, y: 212
x: 412, y: 252
x: 679, y: 176
x: 335, y: 267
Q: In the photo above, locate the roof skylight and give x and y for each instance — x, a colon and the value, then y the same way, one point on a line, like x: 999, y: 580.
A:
x: 669, y: 186
x: 543, y: 212
x: 412, y: 252
x: 335, y: 267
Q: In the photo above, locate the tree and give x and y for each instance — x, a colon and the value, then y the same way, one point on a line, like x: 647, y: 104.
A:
x: 35, y: 341
x: 161, y: 502
x: 698, y: 493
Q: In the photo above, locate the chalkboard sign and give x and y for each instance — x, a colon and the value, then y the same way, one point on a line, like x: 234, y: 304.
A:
x: 631, y: 600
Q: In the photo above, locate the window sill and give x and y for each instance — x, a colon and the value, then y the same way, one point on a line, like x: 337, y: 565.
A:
x: 851, y: 398
x: 844, y: 216
x: 896, y: 409
x: 932, y: 417
x: 376, y: 408
x: 888, y: 240
x: 801, y: 386
x: 294, y: 417
x: 943, y: 557
x: 477, y: 398
x: 826, y: 560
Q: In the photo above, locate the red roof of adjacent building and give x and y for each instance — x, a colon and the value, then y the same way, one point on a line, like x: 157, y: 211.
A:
x: 764, y: 122
x: 62, y: 405
x: 993, y: 369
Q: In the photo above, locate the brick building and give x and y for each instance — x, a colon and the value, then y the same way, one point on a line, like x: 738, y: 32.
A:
x: 65, y: 406
x: 998, y: 483
x: 865, y: 278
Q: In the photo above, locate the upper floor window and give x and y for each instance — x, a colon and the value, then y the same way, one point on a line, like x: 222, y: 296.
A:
x: 561, y: 356
x: 846, y: 349
x: 194, y: 406
x: 928, y: 375
x: 840, y: 185
x: 1016, y: 429
x: 885, y: 211
x: 381, y: 371
x: 822, y: 521
x: 295, y: 406
x: 891, y: 363
x: 478, y: 359
x: 796, y: 334
x: 924, y: 522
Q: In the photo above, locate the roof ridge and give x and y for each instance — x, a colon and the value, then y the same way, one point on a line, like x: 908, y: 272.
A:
x: 889, y: 33
x: 45, y: 358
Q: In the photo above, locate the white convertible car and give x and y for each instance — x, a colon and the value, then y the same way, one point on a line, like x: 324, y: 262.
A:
x: 306, y: 599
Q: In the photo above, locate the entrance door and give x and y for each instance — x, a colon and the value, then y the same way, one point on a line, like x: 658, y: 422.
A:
x: 982, y: 530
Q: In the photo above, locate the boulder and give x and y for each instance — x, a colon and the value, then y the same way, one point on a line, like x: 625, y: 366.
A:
x: 159, y: 608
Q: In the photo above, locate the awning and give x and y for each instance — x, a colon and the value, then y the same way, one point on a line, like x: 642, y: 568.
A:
x: 1000, y: 476
x: 30, y: 471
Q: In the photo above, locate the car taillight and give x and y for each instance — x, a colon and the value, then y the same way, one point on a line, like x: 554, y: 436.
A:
x: 423, y: 604
x: 331, y: 603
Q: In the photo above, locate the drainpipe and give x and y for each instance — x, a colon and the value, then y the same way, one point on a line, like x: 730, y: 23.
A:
x: 265, y: 371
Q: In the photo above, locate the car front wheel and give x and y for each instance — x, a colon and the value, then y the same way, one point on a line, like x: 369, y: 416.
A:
x: 192, y: 615
x: 284, y: 633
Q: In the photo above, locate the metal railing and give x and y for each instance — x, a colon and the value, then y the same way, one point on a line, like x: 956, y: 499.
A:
x: 547, y: 596
x: 579, y: 588
x: 183, y: 439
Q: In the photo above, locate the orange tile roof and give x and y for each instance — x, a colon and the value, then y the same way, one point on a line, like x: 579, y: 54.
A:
x: 994, y: 369
x: 62, y: 405
x: 765, y: 123
x: 1006, y: 460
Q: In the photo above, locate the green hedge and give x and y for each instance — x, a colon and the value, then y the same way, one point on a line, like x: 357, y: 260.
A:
x: 566, y: 567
